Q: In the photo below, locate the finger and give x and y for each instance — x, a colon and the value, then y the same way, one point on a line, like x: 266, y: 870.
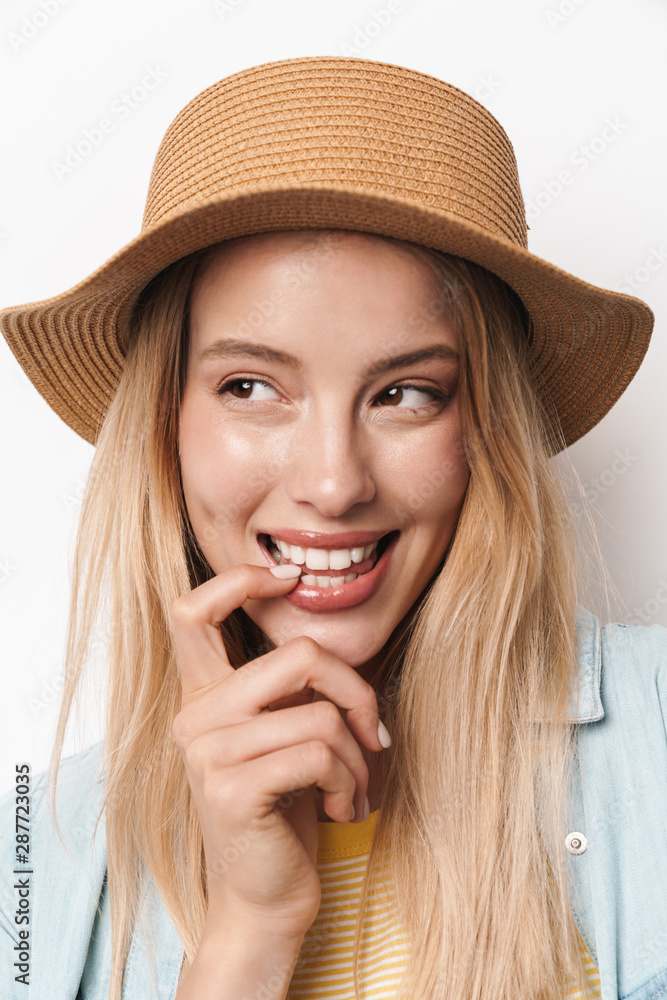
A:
x: 296, y: 768
x: 302, y: 663
x: 196, y: 617
x: 266, y: 733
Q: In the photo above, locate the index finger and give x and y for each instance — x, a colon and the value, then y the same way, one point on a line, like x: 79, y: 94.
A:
x: 196, y: 617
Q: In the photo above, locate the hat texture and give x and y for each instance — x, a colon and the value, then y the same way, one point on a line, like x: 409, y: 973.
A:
x: 346, y: 143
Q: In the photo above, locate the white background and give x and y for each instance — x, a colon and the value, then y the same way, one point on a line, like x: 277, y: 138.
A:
x: 551, y: 72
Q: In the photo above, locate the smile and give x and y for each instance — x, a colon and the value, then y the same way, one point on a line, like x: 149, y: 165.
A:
x: 326, y: 587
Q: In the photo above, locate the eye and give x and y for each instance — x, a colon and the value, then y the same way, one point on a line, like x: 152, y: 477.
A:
x: 407, y: 393
x: 244, y: 387
x: 241, y: 390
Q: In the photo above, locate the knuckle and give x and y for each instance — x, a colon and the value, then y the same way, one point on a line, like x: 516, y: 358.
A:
x: 319, y: 753
x: 180, y: 730
x: 198, y: 758
x: 221, y: 791
x: 182, y: 612
x: 304, y: 647
x: 328, y: 718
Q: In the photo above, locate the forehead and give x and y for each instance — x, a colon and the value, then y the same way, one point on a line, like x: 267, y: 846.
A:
x: 302, y: 250
x: 324, y: 277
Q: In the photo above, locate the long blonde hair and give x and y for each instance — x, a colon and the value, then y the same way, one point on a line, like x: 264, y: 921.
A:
x: 475, y: 686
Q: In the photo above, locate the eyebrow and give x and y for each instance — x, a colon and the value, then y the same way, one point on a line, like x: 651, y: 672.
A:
x: 248, y: 348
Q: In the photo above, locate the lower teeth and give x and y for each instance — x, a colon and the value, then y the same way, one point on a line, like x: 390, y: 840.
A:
x: 315, y: 581
x: 328, y: 581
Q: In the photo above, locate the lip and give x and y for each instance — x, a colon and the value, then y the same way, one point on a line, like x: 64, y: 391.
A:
x: 318, y: 540
x: 347, y: 595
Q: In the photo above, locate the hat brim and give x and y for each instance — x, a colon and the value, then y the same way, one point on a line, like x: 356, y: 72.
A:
x: 587, y: 344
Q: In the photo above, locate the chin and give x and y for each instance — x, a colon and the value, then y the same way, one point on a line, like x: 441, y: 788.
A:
x: 340, y: 642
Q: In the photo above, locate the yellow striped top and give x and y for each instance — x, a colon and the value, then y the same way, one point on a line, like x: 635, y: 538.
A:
x: 323, y: 970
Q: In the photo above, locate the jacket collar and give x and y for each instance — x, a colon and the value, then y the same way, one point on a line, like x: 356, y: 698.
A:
x: 588, y: 706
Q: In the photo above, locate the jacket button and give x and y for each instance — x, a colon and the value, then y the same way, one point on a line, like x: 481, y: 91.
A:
x: 576, y: 843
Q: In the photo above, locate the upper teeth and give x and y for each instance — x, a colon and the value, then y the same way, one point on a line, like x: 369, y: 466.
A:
x: 323, y: 558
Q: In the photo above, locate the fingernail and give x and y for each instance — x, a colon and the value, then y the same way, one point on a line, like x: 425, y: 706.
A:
x: 367, y: 809
x: 286, y: 571
x: 383, y: 735
x: 352, y: 814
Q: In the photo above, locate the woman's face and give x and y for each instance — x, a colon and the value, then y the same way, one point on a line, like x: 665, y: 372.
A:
x: 320, y: 407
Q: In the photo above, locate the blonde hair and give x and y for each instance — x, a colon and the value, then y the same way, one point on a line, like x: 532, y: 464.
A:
x: 474, y: 688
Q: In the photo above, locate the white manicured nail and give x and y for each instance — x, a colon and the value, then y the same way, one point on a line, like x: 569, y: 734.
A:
x: 383, y: 735
x: 367, y: 809
x: 286, y: 571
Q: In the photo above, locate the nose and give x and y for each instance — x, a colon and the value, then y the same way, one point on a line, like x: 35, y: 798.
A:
x: 330, y: 465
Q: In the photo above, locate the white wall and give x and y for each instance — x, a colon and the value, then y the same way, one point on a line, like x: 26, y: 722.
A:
x: 552, y: 79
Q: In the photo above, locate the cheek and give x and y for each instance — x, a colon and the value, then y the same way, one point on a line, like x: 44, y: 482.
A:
x: 433, y: 475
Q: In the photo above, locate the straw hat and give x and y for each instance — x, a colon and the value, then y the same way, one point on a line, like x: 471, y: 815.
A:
x: 346, y: 143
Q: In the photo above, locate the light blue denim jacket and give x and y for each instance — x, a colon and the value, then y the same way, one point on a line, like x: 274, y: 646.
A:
x: 619, y: 883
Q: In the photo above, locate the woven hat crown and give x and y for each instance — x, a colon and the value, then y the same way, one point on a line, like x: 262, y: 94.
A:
x: 364, y: 126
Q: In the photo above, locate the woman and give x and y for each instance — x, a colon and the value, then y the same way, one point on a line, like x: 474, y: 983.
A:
x: 330, y: 355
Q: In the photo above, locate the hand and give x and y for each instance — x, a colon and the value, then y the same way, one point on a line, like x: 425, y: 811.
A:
x: 241, y: 757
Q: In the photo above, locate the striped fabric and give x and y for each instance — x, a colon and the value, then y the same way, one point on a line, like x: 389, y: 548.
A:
x: 324, y: 967
x: 594, y: 991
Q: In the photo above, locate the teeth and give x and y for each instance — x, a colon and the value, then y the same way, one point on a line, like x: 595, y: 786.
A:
x: 321, y: 559
x: 327, y: 581
x: 324, y: 582
x: 317, y: 559
x: 339, y: 559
